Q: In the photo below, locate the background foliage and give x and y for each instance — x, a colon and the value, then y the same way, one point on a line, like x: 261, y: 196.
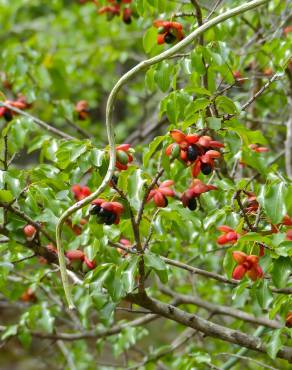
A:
x: 59, y: 52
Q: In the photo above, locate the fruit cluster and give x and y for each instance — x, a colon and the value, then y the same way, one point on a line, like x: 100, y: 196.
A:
x: 258, y: 149
x: 107, y: 212
x: 28, y: 296
x: 246, y: 264
x: 80, y: 192
x: 251, y: 204
x: 190, y: 196
x: 289, y: 320
x: 19, y: 103
x: 127, y: 244
x: 229, y: 235
x: 160, y: 193
x: 116, y: 8
x: 194, y: 150
x: 78, y: 259
x: 82, y: 110
x: 124, y: 156
x: 168, y: 32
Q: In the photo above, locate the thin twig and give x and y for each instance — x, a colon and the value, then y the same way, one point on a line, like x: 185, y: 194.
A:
x: 260, y: 92
x: 261, y: 364
x: 197, y: 271
x: 39, y: 122
x: 29, y: 220
x: 213, y: 10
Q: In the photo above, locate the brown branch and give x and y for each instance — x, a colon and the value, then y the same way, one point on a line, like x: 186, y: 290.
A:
x: 246, y: 219
x: 136, y: 231
x: 240, y: 357
x: 183, y: 338
x: 216, y: 309
x: 208, y: 328
x: 78, y: 129
x: 29, y: 220
x: 255, y: 96
x: 39, y: 122
x: 260, y: 92
x: 97, y: 335
x: 201, y: 272
x: 213, y: 275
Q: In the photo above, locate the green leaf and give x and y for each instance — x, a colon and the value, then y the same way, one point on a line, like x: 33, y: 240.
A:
x: 274, y: 344
x: 187, y: 65
x: 100, y: 274
x: 10, y: 331
x: 156, y: 263
x: 128, y: 275
x: 46, y: 322
x: 255, y: 237
x: 135, y: 188
x: 6, y: 196
x: 97, y: 157
x: 151, y: 150
x: 200, y: 104
x: 201, y: 357
x: 272, y: 199
x: 162, y: 76
x: 226, y: 105
x: 282, y: 267
x: 197, y: 62
x: 69, y: 151
x: 114, y: 284
x: 149, y: 39
x: 172, y: 108
x: 214, y: 123
x: 264, y: 294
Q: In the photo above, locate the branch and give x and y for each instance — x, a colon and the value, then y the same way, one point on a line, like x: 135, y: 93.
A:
x: 201, y: 272
x: 261, y: 90
x: 39, y: 122
x: 246, y: 219
x: 261, y: 364
x: 183, y: 338
x: 97, y: 334
x: 26, y: 218
x: 110, y: 128
x: 213, y: 275
x: 216, y: 309
x: 208, y: 328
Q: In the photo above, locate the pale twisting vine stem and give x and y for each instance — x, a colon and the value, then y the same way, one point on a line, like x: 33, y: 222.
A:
x: 109, y: 124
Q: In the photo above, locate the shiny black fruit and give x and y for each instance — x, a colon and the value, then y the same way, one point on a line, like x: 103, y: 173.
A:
x: 192, y: 205
x: 192, y: 153
x: 206, y: 168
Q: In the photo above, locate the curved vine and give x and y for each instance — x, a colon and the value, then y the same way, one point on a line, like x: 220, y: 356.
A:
x: 110, y: 129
